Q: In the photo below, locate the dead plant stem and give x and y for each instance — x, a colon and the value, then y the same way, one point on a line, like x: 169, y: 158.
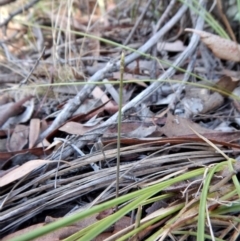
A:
x: 74, y: 103
x: 119, y: 124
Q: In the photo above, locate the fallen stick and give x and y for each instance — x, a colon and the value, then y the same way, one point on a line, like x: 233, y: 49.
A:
x: 74, y: 103
x: 81, y: 141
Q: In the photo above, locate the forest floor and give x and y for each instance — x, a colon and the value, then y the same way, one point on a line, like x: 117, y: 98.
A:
x: 123, y: 113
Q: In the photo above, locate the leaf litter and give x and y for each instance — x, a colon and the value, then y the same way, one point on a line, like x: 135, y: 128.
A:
x: 59, y: 125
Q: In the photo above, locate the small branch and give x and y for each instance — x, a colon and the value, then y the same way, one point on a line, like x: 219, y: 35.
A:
x: 14, y: 110
x: 73, y: 104
x: 137, y: 23
x: 33, y: 68
x: 17, y: 12
x: 119, y: 125
x: 5, y: 2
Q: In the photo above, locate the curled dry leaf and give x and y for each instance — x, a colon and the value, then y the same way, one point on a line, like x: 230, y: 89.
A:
x: 18, y: 112
x: 226, y: 83
x: 9, y: 110
x: 222, y: 48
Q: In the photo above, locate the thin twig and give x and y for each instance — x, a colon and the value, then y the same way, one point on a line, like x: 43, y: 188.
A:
x: 152, y: 88
x: 185, y: 79
x: 73, y: 104
x: 33, y: 68
x: 5, y: 2
x: 165, y: 14
x: 119, y: 124
x: 18, y: 11
x: 153, y: 72
x: 137, y: 22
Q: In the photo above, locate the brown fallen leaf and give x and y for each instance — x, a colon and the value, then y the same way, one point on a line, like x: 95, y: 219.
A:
x: 122, y: 223
x: 104, y: 214
x: 99, y: 94
x: 222, y: 48
x: 69, y: 230
x: 134, y: 129
x: 178, y: 126
x: 79, y: 118
x: 53, y: 236
x: 226, y: 83
x: 34, y: 131
x: 118, y: 226
x: 13, y: 110
x: 19, y: 138
x: 21, y: 171
x: 75, y: 128
x: 4, y: 172
x: 200, y: 101
x: 8, y: 157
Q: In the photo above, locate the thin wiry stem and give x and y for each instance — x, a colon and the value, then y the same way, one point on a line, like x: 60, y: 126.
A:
x: 119, y: 123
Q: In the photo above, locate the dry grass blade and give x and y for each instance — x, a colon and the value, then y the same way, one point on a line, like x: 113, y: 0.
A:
x: 119, y: 123
x: 123, y: 163
x: 152, y: 168
x: 230, y: 166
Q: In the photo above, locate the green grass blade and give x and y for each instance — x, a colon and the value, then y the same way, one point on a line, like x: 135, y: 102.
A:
x: 203, y: 201
x: 98, y: 208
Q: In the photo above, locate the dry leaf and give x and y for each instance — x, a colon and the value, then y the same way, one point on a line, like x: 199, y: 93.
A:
x: 53, y: 236
x: 99, y: 94
x: 177, y: 126
x: 226, y: 83
x: 19, y: 138
x: 222, y: 48
x: 93, y: 121
x: 4, y: 172
x: 200, y: 100
x: 56, y: 144
x: 104, y: 214
x: 132, y: 129
x: 142, y: 131
x: 121, y: 224
x: 75, y: 128
x: 28, y: 103
x: 8, y: 110
x: 21, y: 171
x: 34, y: 132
